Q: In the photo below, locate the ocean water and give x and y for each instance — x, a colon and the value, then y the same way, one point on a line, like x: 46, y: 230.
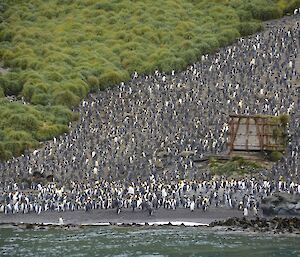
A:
x: 143, y: 241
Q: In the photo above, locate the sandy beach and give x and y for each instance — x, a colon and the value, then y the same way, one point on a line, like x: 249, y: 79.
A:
x: 125, y: 217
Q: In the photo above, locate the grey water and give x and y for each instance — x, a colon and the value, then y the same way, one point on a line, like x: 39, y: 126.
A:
x: 143, y: 241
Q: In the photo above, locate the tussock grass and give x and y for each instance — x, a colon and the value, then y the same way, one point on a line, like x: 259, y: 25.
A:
x: 23, y: 126
x: 59, y: 50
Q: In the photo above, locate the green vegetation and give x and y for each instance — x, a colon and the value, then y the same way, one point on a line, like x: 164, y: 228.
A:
x: 289, y: 6
x: 22, y: 126
x: 275, y: 156
x: 59, y: 50
x: 236, y: 166
x: 277, y: 129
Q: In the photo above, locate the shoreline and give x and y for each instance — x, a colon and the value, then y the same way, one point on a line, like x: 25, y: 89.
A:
x: 224, y: 220
x: 98, y: 216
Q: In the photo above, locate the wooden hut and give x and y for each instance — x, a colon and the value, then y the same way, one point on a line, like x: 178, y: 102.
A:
x: 257, y: 132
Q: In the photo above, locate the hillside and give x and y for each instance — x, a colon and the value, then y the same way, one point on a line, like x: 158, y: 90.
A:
x: 53, y: 53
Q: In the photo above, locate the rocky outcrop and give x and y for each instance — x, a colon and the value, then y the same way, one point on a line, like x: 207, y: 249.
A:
x: 281, y: 204
x: 276, y: 225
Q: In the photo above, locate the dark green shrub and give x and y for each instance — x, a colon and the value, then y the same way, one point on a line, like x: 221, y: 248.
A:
x: 276, y: 133
x: 7, y: 57
x: 40, y: 98
x: 47, y: 132
x: 106, y: 6
x: 271, y: 13
x: 149, y: 67
x: 54, y: 76
x: 176, y: 64
x: 65, y: 98
x: 248, y: 28
x: 2, y: 135
x: 275, y: 156
x: 264, y: 12
x: 189, y: 56
x: 212, y: 43
x: 93, y: 82
x: 35, y: 65
x: 292, y: 5
x: 284, y: 119
x: 112, y: 77
x: 130, y: 61
x: 78, y: 87
x: 28, y: 91
x: 6, y: 35
x: 18, y: 135
x: 10, y: 83
x: 227, y: 36
x: 33, y: 89
x: 14, y: 147
x: 1, y: 92
x: 13, y: 88
x: 4, y: 154
x: 244, y: 15
x: 61, y: 114
x: 186, y: 44
x: 21, y: 62
x: 32, y: 77
x: 24, y: 121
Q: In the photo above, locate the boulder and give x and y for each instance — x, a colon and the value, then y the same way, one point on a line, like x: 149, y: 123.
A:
x: 276, y: 224
x: 281, y: 204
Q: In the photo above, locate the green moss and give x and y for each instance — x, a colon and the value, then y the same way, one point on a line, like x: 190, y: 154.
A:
x: 237, y: 165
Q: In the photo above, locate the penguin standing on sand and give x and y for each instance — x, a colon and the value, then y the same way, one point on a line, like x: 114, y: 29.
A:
x: 255, y: 212
x: 192, y: 206
x: 60, y: 221
x: 245, y: 212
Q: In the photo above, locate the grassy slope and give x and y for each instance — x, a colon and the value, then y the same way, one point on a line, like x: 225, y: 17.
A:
x: 57, y: 51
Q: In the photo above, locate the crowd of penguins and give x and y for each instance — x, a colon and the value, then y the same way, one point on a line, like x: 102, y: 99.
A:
x: 131, y: 145
x: 149, y: 195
